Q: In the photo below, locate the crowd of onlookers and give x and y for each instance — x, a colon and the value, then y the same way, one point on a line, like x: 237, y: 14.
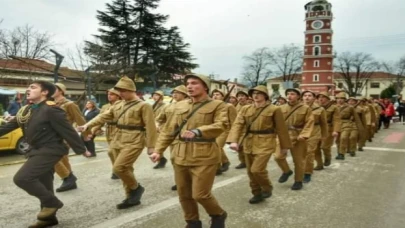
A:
x: 391, y: 112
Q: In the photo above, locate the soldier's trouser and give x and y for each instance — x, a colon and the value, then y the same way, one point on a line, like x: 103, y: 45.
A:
x: 194, y: 184
x: 343, y: 141
x: 111, y: 154
x: 124, y: 166
x: 326, y: 147
x: 224, y: 158
x: 354, y: 135
x: 256, y: 165
x: 241, y: 155
x: 63, y: 168
x: 313, y: 146
x: 370, y: 131
x: 363, y: 138
x: 36, y: 178
x: 298, y: 153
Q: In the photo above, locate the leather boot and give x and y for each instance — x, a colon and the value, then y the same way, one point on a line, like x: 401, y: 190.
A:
x: 69, y: 183
x: 161, y: 164
x: 174, y: 188
x: 307, y: 178
x: 266, y: 195
x: 219, y: 172
x: 225, y: 167
x: 114, y: 176
x: 49, y: 212
x: 352, y: 154
x: 53, y: 221
x: 241, y: 166
x: 133, y: 199
x: 256, y: 199
x: 317, y: 168
x: 340, y: 157
x: 327, y: 162
x: 361, y: 149
x: 194, y: 224
x: 218, y: 221
x: 297, y: 186
x: 284, y: 177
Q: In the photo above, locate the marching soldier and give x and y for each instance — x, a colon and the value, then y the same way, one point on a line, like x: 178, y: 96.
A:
x: 45, y: 127
x: 347, y: 115
x: 367, y: 119
x: 74, y: 116
x: 334, y: 125
x: 113, y: 97
x: 281, y: 101
x: 233, y: 100
x: 221, y: 140
x: 158, y: 107
x: 300, y: 123
x: 357, y: 126
x: 135, y: 127
x: 196, y: 154
x: 242, y: 101
x: 259, y: 125
x: 179, y: 94
x: 320, y: 131
x: 374, y: 119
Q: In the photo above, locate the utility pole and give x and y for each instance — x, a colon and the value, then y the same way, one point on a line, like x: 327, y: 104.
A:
x: 59, y: 59
x: 87, y: 71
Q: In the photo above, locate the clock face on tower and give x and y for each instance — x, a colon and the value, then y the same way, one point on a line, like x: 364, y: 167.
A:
x: 317, y: 24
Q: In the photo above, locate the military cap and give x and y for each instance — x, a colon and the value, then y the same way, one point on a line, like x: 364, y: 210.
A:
x: 325, y: 94
x: 295, y: 90
x: 206, y: 80
x: 61, y: 87
x: 260, y: 88
x: 181, y: 89
x: 242, y: 92
x: 114, y: 91
x: 341, y: 95
x: 309, y: 91
x: 219, y: 91
x: 125, y: 83
x: 159, y: 92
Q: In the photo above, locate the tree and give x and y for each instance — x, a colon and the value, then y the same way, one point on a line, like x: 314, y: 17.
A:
x: 287, y: 61
x: 398, y: 69
x: 257, y: 68
x: 388, y: 92
x: 25, y: 42
x: 133, y: 41
x: 356, y: 70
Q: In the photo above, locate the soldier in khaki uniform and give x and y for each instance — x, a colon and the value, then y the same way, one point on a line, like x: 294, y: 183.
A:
x: 259, y: 125
x: 334, y: 126
x: 242, y: 101
x: 134, y: 118
x: 347, y: 115
x: 373, y: 115
x: 74, y: 116
x: 195, y: 153
x: 233, y: 100
x: 158, y: 107
x: 320, y: 131
x: 167, y: 114
x: 300, y: 123
x: 367, y: 120
x: 357, y: 127
x: 221, y: 140
x: 113, y: 97
x: 281, y: 101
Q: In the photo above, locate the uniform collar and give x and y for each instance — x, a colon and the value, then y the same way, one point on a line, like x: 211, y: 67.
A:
x: 201, y: 101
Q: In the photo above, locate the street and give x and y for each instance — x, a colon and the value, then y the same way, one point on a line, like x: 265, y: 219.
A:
x: 364, y: 191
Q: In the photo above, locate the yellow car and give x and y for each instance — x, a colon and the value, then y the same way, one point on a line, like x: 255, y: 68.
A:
x: 13, y: 140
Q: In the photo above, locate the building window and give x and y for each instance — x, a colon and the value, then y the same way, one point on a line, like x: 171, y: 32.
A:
x: 340, y: 85
x: 375, y: 85
x: 317, y: 51
x: 315, y: 78
x: 317, y: 39
x: 316, y: 63
x: 275, y: 87
x: 296, y: 85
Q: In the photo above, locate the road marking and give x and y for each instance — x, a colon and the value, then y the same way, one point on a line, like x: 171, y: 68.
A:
x: 395, y: 137
x: 385, y: 149
x: 171, y: 202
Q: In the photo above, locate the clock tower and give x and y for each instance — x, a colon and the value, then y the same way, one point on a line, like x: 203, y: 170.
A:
x: 317, y: 72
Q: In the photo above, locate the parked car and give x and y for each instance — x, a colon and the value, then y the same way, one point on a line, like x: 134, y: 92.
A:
x: 13, y: 140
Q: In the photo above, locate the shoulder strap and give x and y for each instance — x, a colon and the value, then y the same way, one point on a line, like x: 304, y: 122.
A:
x: 251, y: 122
x: 130, y: 106
x: 316, y: 108
x: 292, y: 111
x: 343, y: 108
x: 183, y: 123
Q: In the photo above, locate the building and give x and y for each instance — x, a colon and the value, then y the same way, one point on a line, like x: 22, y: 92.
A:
x: 377, y: 82
x: 221, y: 84
x: 317, y: 71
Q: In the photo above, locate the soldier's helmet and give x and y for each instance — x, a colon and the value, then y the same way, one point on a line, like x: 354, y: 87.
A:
x: 181, y: 89
x: 114, y: 91
x: 61, y: 87
x: 324, y: 94
x: 341, y: 95
x: 352, y: 98
x: 218, y: 91
x: 125, y: 83
x: 260, y: 88
x: 242, y: 92
x: 295, y: 90
x: 308, y: 91
x: 206, y: 80
x: 159, y: 92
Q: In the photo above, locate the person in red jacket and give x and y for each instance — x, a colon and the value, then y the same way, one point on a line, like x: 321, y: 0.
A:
x: 389, y: 112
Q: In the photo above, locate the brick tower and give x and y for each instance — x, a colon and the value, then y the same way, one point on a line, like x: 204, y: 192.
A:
x: 317, y: 73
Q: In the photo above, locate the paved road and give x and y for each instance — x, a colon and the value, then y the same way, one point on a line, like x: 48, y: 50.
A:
x: 366, y: 191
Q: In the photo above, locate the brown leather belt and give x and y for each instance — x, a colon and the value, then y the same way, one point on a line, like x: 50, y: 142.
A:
x: 197, y: 140
x: 132, y: 128
x: 262, y: 132
x: 294, y: 128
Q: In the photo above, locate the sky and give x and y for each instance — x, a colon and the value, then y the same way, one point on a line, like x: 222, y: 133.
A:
x: 221, y: 32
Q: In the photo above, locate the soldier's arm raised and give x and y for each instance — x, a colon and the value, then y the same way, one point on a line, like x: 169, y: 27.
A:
x: 218, y: 126
x: 281, y: 129
x: 324, y: 123
x: 150, y: 126
x: 308, y: 126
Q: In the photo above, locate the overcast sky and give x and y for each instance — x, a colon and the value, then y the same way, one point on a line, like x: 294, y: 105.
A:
x: 221, y: 32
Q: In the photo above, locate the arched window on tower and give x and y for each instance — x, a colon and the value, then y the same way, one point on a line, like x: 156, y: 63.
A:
x: 317, y: 50
x: 315, y: 78
x: 316, y: 63
x: 317, y: 39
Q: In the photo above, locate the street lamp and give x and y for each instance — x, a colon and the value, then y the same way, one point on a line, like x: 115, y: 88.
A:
x: 87, y: 71
x: 59, y: 59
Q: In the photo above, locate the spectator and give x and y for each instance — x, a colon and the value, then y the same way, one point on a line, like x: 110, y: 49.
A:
x: 14, y: 107
x: 89, y: 113
x: 389, y: 112
x: 401, y: 111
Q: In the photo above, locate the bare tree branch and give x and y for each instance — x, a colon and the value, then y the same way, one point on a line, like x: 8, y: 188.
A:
x: 287, y: 61
x: 257, y: 66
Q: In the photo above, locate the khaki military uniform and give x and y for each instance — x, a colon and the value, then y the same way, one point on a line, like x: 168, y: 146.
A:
x: 299, y: 123
x: 222, y: 139
x: 368, y: 119
x: 241, y: 154
x: 334, y: 125
x: 74, y: 116
x: 195, y: 160
x: 260, y: 141
x: 158, y: 109
x: 130, y: 136
x: 355, y: 136
x: 348, y: 115
x: 319, y: 131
